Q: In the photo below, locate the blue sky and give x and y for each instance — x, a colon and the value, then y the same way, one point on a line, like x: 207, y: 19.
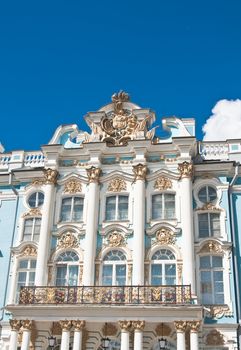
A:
x: 61, y: 59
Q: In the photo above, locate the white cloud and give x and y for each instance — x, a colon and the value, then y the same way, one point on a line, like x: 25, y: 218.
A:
x: 225, y: 121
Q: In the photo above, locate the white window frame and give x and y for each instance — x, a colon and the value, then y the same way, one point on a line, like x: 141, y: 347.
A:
x: 36, y: 199
x: 163, y: 194
x: 67, y: 263
x: 28, y: 270
x: 33, y: 218
x: 209, y: 213
x: 114, y: 263
x: 163, y: 263
x: 116, y: 195
x: 72, y: 208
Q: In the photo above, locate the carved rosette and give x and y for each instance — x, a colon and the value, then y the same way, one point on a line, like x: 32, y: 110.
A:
x: 180, y: 326
x: 211, y: 247
x: 65, y: 325
x: 214, y: 337
x: 115, y: 239
x: 165, y: 236
x: 93, y: 174
x: 50, y: 176
x: 117, y: 185
x: 140, y: 171
x: 67, y: 240
x: 194, y: 326
x: 185, y: 169
x: 15, y: 325
x: 32, y: 212
x: 26, y: 325
x: 109, y: 329
x: 162, y: 183
x: 72, y: 186
x: 78, y: 325
x: 29, y: 251
x: 138, y: 325
x: 163, y: 330
x: 125, y: 325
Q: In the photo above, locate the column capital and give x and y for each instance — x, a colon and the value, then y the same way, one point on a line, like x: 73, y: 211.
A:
x: 93, y: 174
x: 15, y: 324
x: 194, y: 326
x: 138, y: 325
x: 26, y: 325
x: 185, y: 169
x: 50, y: 176
x: 180, y: 326
x: 140, y: 171
x: 125, y: 325
x: 65, y: 325
x: 78, y: 325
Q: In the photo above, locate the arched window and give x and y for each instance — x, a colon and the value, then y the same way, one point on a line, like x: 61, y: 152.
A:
x: 211, y: 275
x: 67, y: 269
x: 163, y: 268
x: 72, y: 209
x: 114, y: 269
x: 25, y: 274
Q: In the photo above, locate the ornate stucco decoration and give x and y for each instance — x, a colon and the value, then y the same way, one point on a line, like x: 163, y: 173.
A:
x: 50, y: 176
x: 67, y: 240
x: 140, y: 171
x: 214, y: 337
x: 26, y: 324
x: 15, y: 324
x: 115, y: 239
x: 209, y: 206
x: 37, y: 182
x: 93, y: 174
x: 185, y: 169
x: 78, y: 325
x: 32, y: 212
x: 180, y: 326
x: 65, y: 325
x: 162, y: 183
x: 211, y: 247
x: 138, y: 325
x: 29, y: 251
x: 56, y: 329
x: 109, y: 329
x: 218, y: 311
x: 72, y: 186
x: 164, y: 330
x: 165, y: 236
x: 194, y: 326
x: 117, y: 185
x: 125, y: 325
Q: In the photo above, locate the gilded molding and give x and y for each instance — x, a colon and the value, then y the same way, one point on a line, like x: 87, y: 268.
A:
x: 37, y: 182
x: 67, y: 240
x: 115, y: 239
x: 65, y: 325
x: 72, y: 186
x: 180, y: 326
x: 211, y: 247
x: 78, y: 325
x: 32, y: 212
x: 163, y: 329
x: 93, y: 174
x: 179, y: 273
x: 162, y: 183
x: 117, y: 185
x: 125, y: 325
x: 165, y: 236
x: 140, y: 171
x: 185, y: 169
x: 26, y: 325
x: 194, y: 326
x: 138, y: 325
x: 15, y: 324
x: 109, y: 329
x: 218, y: 311
x: 214, y: 337
x: 50, y: 176
x: 29, y: 251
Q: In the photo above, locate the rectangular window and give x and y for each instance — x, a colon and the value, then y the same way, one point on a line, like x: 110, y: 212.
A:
x: 163, y: 206
x: 26, y: 275
x: 72, y: 209
x: 209, y: 225
x: 116, y: 208
x: 32, y: 229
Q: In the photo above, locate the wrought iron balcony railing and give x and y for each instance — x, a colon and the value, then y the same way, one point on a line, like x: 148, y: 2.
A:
x: 115, y: 295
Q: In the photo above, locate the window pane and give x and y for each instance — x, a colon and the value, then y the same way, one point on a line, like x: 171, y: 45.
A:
x: 157, y: 206
x: 73, y: 275
x: 169, y: 206
x: 120, y: 275
x: 156, y: 274
x: 206, y: 287
x: 203, y: 225
x: 27, y: 233
x: 36, y: 232
x: 170, y: 274
x: 32, y: 200
x: 66, y: 209
x: 215, y: 224
x: 31, y: 278
x: 123, y: 208
x: 212, y: 194
x: 107, y: 275
x: 78, y: 209
x: 110, y: 209
x: 61, y: 275
x: 32, y: 264
x: 202, y: 195
x: 217, y: 261
x: 205, y: 262
x: 22, y: 276
x: 23, y: 264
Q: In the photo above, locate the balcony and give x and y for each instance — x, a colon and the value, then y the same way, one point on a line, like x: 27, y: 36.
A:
x: 107, y: 295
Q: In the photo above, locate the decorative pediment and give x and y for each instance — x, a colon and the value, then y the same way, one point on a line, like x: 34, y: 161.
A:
x: 211, y: 247
x: 72, y: 186
x: 67, y: 240
x: 32, y: 212
x: 165, y: 236
x: 29, y: 251
x: 117, y: 185
x: 162, y: 183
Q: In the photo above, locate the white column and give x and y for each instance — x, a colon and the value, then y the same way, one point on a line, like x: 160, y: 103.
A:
x: 15, y: 326
x: 44, y: 238
x: 125, y: 334
x: 186, y: 170
x: 139, y: 224
x: 138, y: 334
x: 78, y: 334
x: 194, y: 328
x: 91, y: 227
x: 180, y: 328
x: 27, y: 325
x: 65, y: 325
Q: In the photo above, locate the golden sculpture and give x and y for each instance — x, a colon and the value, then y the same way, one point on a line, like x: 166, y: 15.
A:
x: 72, y: 186
x: 37, y: 182
x: 32, y: 212
x: 93, y: 174
x: 125, y: 325
x: 139, y: 325
x: 194, y: 326
x: 115, y: 239
x: 29, y: 251
x: 15, y: 324
x: 117, y: 185
x: 50, y: 176
x: 211, y: 247
x: 67, y: 240
x: 140, y: 171
x: 209, y: 206
x: 219, y: 311
x: 214, y: 337
x: 162, y: 183
x: 78, y: 325
x: 185, y: 169
x: 180, y: 326
x: 165, y: 236
x: 26, y: 325
x: 65, y: 325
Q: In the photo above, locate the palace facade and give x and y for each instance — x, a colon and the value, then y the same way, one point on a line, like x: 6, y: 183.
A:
x: 119, y: 236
